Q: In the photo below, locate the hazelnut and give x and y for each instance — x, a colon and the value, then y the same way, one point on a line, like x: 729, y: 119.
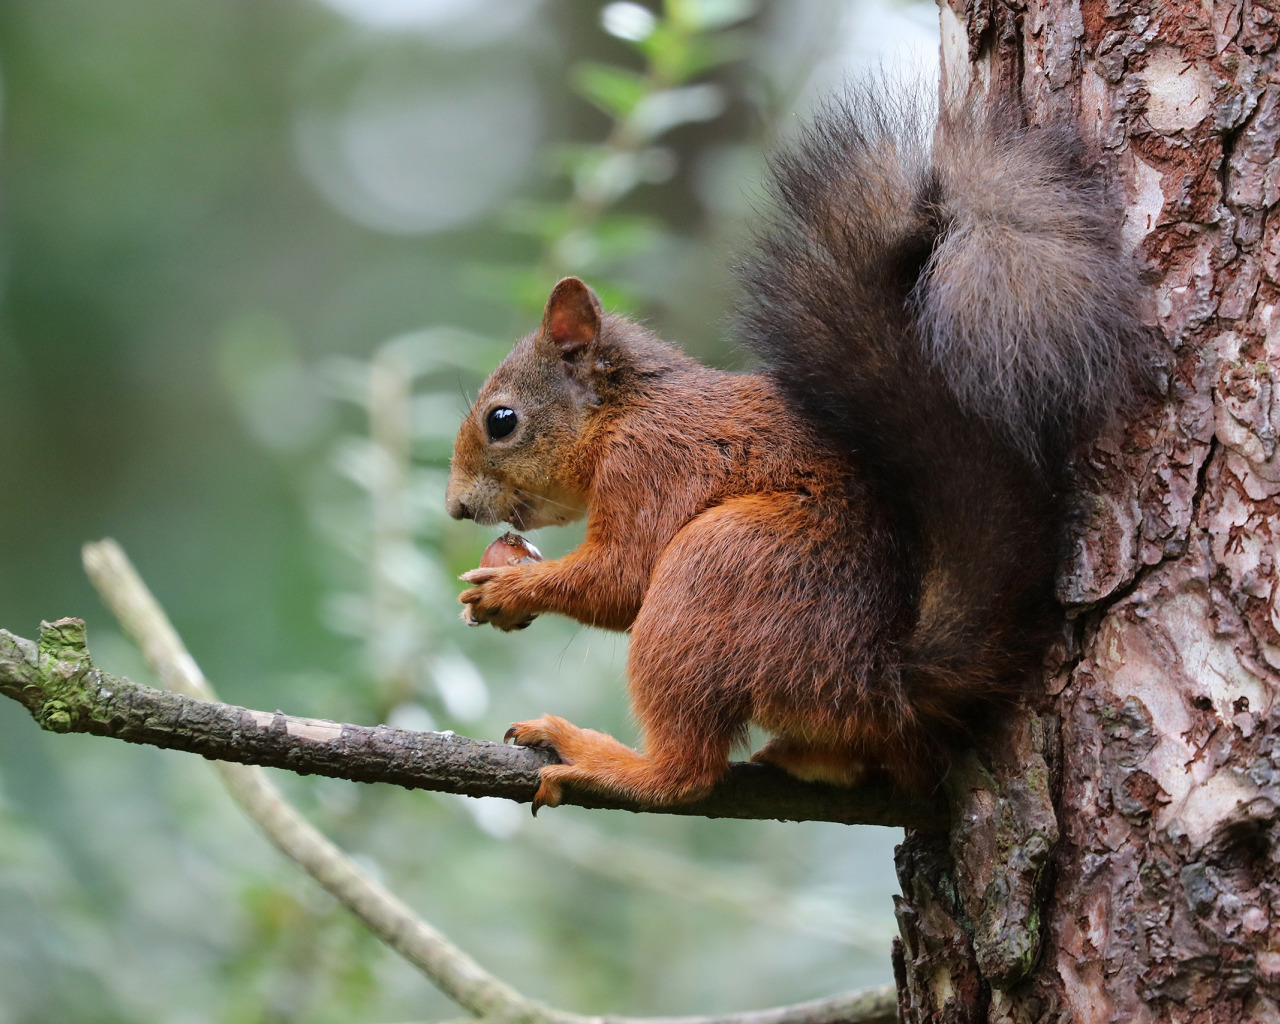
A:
x: 509, y: 549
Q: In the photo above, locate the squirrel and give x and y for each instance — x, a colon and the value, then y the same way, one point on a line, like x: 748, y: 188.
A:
x: 853, y: 547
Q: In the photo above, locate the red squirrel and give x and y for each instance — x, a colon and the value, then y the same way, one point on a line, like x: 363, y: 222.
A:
x: 853, y: 547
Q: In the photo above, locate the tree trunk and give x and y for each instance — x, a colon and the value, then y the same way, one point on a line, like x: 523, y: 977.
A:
x: 1154, y: 749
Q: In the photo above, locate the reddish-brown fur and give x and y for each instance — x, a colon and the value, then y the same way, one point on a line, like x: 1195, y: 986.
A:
x: 708, y: 500
x: 854, y: 548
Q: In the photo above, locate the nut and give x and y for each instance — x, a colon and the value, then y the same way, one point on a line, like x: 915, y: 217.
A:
x: 509, y: 549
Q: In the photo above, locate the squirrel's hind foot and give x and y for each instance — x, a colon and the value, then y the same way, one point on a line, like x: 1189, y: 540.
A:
x: 592, y: 760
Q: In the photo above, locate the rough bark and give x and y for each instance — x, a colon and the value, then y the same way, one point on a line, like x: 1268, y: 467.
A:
x: 1159, y: 729
x: 56, y: 681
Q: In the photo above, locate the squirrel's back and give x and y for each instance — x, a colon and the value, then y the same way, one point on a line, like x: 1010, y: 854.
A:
x: 948, y: 297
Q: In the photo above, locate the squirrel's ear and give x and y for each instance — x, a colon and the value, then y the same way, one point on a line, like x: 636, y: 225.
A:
x: 572, y: 319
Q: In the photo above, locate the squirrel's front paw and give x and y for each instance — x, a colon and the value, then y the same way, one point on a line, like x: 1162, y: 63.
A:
x: 494, y: 599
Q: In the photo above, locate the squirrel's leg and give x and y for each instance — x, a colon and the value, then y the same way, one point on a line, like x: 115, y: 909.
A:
x: 670, y: 771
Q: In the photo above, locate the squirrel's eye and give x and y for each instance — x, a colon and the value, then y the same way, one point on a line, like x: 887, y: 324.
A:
x: 500, y: 422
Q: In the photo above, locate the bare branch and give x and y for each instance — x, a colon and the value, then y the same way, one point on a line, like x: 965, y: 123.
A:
x: 870, y: 1006
x: 104, y: 705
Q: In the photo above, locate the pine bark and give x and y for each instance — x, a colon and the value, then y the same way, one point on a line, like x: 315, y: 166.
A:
x: 1120, y: 859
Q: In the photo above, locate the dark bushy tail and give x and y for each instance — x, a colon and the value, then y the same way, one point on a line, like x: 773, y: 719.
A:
x: 1026, y: 303
x: 950, y: 298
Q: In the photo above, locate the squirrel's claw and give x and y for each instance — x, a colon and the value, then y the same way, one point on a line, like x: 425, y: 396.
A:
x: 548, y: 794
x: 528, y: 734
x: 531, y: 734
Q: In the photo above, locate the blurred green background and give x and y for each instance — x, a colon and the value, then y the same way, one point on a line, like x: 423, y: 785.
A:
x: 224, y: 226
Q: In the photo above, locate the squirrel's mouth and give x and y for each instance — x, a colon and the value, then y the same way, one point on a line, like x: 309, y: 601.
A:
x: 521, y: 515
x: 488, y: 504
x: 474, y: 497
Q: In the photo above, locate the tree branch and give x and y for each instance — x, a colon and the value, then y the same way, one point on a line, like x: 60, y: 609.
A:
x: 65, y: 692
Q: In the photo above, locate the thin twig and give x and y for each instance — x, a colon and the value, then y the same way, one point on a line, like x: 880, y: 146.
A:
x: 870, y: 1006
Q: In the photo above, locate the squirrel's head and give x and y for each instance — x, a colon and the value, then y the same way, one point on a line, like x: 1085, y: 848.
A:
x: 515, y: 457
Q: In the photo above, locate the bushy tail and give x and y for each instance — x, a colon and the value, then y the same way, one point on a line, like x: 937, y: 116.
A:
x: 948, y: 295
x: 1026, y: 303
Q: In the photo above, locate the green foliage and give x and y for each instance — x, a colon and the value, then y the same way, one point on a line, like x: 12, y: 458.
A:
x: 616, y: 91
x: 585, y: 234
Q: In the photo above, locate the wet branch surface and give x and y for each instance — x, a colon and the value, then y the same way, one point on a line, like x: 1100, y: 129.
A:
x: 61, y: 688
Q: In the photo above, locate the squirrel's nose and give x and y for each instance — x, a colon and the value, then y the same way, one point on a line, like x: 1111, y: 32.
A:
x: 458, y: 509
